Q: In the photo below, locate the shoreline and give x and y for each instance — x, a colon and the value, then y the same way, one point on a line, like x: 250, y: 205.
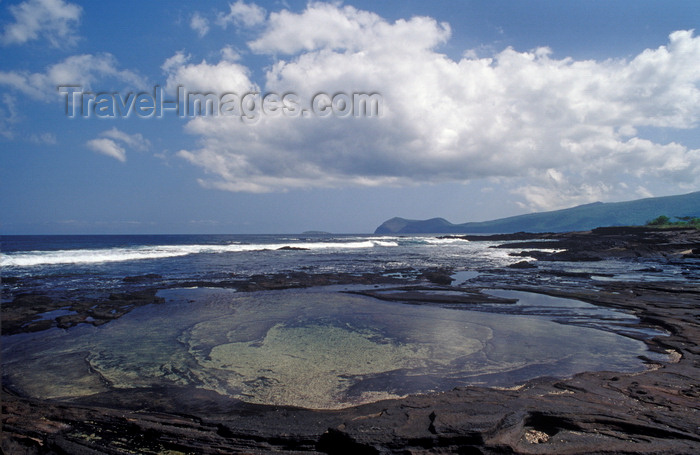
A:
x: 654, y: 411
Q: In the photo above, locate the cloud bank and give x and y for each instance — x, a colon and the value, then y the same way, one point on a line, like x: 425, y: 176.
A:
x: 554, y: 131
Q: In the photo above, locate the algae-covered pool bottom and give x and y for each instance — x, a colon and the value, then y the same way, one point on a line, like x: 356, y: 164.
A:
x: 312, y: 349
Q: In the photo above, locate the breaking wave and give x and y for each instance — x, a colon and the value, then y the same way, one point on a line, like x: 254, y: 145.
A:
x: 94, y: 256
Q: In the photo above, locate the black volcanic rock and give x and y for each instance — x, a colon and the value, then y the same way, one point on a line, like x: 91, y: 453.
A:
x: 522, y: 265
x: 612, y: 242
x: 442, y: 277
x: 142, y: 278
x: 24, y: 312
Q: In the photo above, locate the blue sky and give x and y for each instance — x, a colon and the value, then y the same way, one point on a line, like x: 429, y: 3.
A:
x: 487, y: 109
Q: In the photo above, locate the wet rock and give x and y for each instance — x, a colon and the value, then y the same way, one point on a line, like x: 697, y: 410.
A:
x: 36, y: 302
x: 22, y: 314
x: 32, y: 326
x: 70, y: 320
x: 142, y: 278
x: 25, y: 312
x: 612, y: 242
x: 566, y: 274
x: 432, y: 295
x: 334, y: 441
x: 522, y: 265
x: 441, y: 277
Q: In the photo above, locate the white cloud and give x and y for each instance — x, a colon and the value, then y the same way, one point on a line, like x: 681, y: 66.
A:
x: 225, y: 76
x: 43, y: 139
x: 107, y: 147
x: 83, y: 70
x: 54, y: 20
x: 230, y: 54
x: 175, y: 61
x: 8, y: 116
x: 242, y: 14
x: 134, y: 141
x: 114, y: 143
x: 330, y: 26
x: 199, y: 24
x: 555, y: 131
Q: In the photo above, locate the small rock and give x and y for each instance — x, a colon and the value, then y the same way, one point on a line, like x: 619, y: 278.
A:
x: 438, y: 277
x: 522, y: 265
x: 142, y: 278
x: 536, y: 436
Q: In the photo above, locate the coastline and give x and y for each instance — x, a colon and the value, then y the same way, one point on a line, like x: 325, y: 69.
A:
x: 655, y: 411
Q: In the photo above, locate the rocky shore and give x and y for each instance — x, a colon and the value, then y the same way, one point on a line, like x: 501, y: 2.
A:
x: 654, y: 411
x: 602, y: 243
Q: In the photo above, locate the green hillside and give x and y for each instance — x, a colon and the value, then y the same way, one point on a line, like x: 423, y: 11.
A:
x: 579, y: 218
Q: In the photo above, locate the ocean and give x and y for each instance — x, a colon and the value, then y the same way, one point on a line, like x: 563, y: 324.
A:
x: 98, y: 262
x: 84, y: 262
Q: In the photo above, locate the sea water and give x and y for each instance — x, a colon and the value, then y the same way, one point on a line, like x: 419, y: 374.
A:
x: 309, y: 348
x: 56, y: 263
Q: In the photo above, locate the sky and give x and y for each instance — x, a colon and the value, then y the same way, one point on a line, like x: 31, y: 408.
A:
x: 237, y: 117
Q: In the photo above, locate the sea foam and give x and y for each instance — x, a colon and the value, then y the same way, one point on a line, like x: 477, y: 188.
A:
x: 94, y: 256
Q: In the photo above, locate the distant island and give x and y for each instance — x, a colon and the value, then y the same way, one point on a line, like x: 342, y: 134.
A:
x: 315, y: 233
x: 579, y: 218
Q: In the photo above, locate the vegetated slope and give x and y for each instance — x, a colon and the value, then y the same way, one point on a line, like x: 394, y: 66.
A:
x: 579, y: 218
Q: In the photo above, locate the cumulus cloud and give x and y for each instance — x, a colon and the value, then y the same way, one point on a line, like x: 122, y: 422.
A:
x: 54, y: 20
x: 330, y: 26
x: 114, y: 143
x: 199, y: 24
x: 554, y: 131
x: 83, y: 70
x: 242, y: 14
x: 225, y: 76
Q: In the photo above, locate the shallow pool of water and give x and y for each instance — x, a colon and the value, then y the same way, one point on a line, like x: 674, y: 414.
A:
x: 312, y: 349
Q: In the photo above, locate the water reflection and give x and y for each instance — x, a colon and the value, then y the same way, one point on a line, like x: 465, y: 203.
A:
x: 305, y: 348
